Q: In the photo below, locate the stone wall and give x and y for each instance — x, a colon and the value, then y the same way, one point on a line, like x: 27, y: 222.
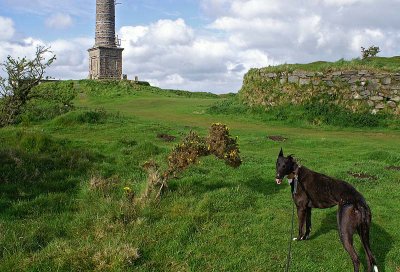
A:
x: 355, y: 90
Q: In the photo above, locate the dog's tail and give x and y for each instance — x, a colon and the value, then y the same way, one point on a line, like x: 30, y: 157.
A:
x: 363, y: 230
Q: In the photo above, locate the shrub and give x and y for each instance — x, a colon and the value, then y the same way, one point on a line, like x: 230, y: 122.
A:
x: 218, y: 143
x: 223, y: 146
x: 23, y: 75
x: 372, y: 51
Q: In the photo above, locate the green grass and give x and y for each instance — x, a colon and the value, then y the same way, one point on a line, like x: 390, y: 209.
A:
x: 213, y: 218
x: 389, y: 64
x: 311, y: 114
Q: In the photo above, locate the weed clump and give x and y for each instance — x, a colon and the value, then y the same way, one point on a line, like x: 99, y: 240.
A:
x: 103, y: 185
x: 155, y: 182
x: 105, y: 259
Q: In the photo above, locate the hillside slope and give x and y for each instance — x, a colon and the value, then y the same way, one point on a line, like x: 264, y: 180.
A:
x: 64, y: 206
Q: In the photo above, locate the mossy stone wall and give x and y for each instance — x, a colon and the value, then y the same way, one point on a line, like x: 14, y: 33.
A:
x: 355, y: 90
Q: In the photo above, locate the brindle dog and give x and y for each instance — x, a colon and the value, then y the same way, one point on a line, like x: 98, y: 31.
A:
x: 314, y: 190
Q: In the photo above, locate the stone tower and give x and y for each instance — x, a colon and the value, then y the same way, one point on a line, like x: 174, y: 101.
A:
x: 105, y: 58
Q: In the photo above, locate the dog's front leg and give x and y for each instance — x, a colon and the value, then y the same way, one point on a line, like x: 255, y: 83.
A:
x: 308, y: 223
x: 301, y: 215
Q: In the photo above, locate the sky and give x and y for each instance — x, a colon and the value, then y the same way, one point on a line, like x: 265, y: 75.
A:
x: 203, y: 45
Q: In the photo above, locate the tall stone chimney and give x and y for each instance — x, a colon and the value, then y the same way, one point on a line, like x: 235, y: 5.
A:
x: 105, y: 57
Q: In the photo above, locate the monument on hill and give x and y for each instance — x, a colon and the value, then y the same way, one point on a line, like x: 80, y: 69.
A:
x: 105, y: 57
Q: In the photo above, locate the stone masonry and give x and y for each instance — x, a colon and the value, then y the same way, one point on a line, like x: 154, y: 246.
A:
x: 353, y: 89
x: 105, y: 58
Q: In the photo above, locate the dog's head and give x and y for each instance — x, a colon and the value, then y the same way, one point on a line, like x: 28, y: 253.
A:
x: 284, y: 166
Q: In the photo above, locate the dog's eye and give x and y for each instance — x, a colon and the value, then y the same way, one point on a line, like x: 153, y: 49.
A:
x: 284, y: 166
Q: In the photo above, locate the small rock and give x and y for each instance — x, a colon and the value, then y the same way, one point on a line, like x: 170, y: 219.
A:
x: 299, y: 73
x: 357, y: 96
x: 363, y: 72
x: 330, y: 83
x: 375, y: 80
x: 386, y: 81
x: 380, y: 106
x: 304, y: 81
x: 349, y: 73
x: 354, y: 80
x: 376, y: 98
x: 392, y: 104
x: 366, y: 93
x: 293, y: 79
x: 396, y: 99
x: 316, y: 81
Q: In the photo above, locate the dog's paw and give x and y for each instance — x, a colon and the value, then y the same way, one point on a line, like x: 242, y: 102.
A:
x: 302, y: 238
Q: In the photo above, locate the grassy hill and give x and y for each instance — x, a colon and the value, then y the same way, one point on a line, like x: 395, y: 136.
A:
x: 63, y: 206
x: 389, y: 64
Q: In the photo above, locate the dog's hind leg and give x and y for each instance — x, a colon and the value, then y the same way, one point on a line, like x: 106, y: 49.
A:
x: 364, y: 235
x: 348, y: 219
x: 363, y: 231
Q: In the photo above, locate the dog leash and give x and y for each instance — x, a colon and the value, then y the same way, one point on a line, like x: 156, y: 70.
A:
x: 295, y: 183
x: 290, y: 242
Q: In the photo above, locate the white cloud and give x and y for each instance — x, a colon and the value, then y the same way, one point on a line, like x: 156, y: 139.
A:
x: 236, y: 36
x: 6, y: 29
x: 59, y: 21
x: 315, y: 30
x: 167, y: 32
x: 254, y: 8
x: 346, y: 2
x: 174, y: 80
x: 171, y: 54
x: 71, y: 62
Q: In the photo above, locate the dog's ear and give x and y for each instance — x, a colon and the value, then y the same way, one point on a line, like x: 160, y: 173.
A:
x: 281, y: 153
x: 290, y: 157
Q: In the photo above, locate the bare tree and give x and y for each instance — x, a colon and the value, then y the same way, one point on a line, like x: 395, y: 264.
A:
x: 23, y: 75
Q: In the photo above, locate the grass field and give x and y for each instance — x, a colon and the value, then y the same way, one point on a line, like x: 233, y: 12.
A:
x: 56, y: 217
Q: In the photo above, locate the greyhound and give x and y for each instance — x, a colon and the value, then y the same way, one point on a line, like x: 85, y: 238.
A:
x: 314, y: 190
